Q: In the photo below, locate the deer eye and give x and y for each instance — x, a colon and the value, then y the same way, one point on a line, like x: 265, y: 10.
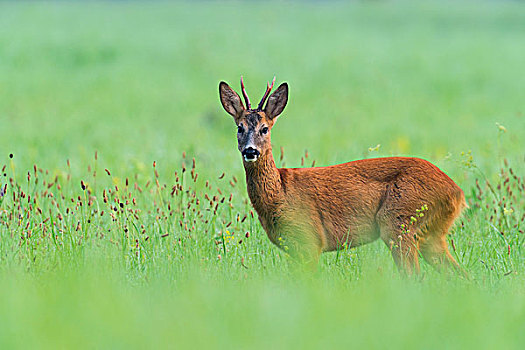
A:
x: 264, y: 130
x: 240, y: 129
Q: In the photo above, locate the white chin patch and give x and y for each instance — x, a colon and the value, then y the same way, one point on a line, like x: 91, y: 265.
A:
x: 250, y: 159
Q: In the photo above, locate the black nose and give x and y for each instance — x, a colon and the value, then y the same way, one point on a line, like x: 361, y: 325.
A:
x: 250, y: 153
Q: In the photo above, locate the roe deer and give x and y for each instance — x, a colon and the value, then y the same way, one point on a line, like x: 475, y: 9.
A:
x: 312, y: 210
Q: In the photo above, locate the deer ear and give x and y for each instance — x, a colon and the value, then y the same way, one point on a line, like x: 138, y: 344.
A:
x: 277, y: 101
x: 230, y: 100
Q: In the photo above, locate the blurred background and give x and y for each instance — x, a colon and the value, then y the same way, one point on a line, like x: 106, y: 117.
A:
x: 138, y: 80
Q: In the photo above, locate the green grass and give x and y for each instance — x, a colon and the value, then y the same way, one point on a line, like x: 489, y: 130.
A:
x: 173, y: 265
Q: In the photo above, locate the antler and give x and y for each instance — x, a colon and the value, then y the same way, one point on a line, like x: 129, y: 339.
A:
x: 246, y: 99
x: 268, y: 89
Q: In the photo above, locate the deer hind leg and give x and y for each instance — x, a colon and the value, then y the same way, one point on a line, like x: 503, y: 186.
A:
x: 434, y: 249
x: 433, y: 245
x: 403, y: 246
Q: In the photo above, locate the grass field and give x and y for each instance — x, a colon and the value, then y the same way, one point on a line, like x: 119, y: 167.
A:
x: 124, y: 218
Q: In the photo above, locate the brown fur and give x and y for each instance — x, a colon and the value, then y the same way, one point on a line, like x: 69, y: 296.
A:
x: 312, y: 210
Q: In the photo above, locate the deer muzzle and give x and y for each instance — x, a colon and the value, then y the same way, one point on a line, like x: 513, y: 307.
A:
x: 250, y: 154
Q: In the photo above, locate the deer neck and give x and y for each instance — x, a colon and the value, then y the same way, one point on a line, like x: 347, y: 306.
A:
x: 264, y: 184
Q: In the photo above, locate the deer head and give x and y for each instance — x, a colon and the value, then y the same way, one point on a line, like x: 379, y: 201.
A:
x: 254, y: 125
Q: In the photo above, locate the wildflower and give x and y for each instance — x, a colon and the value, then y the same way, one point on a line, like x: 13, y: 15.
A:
x: 501, y: 127
x: 376, y: 148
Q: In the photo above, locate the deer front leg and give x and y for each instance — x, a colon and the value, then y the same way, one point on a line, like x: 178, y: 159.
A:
x: 302, y: 242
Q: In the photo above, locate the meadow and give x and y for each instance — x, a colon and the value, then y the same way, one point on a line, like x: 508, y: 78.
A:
x: 124, y: 218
